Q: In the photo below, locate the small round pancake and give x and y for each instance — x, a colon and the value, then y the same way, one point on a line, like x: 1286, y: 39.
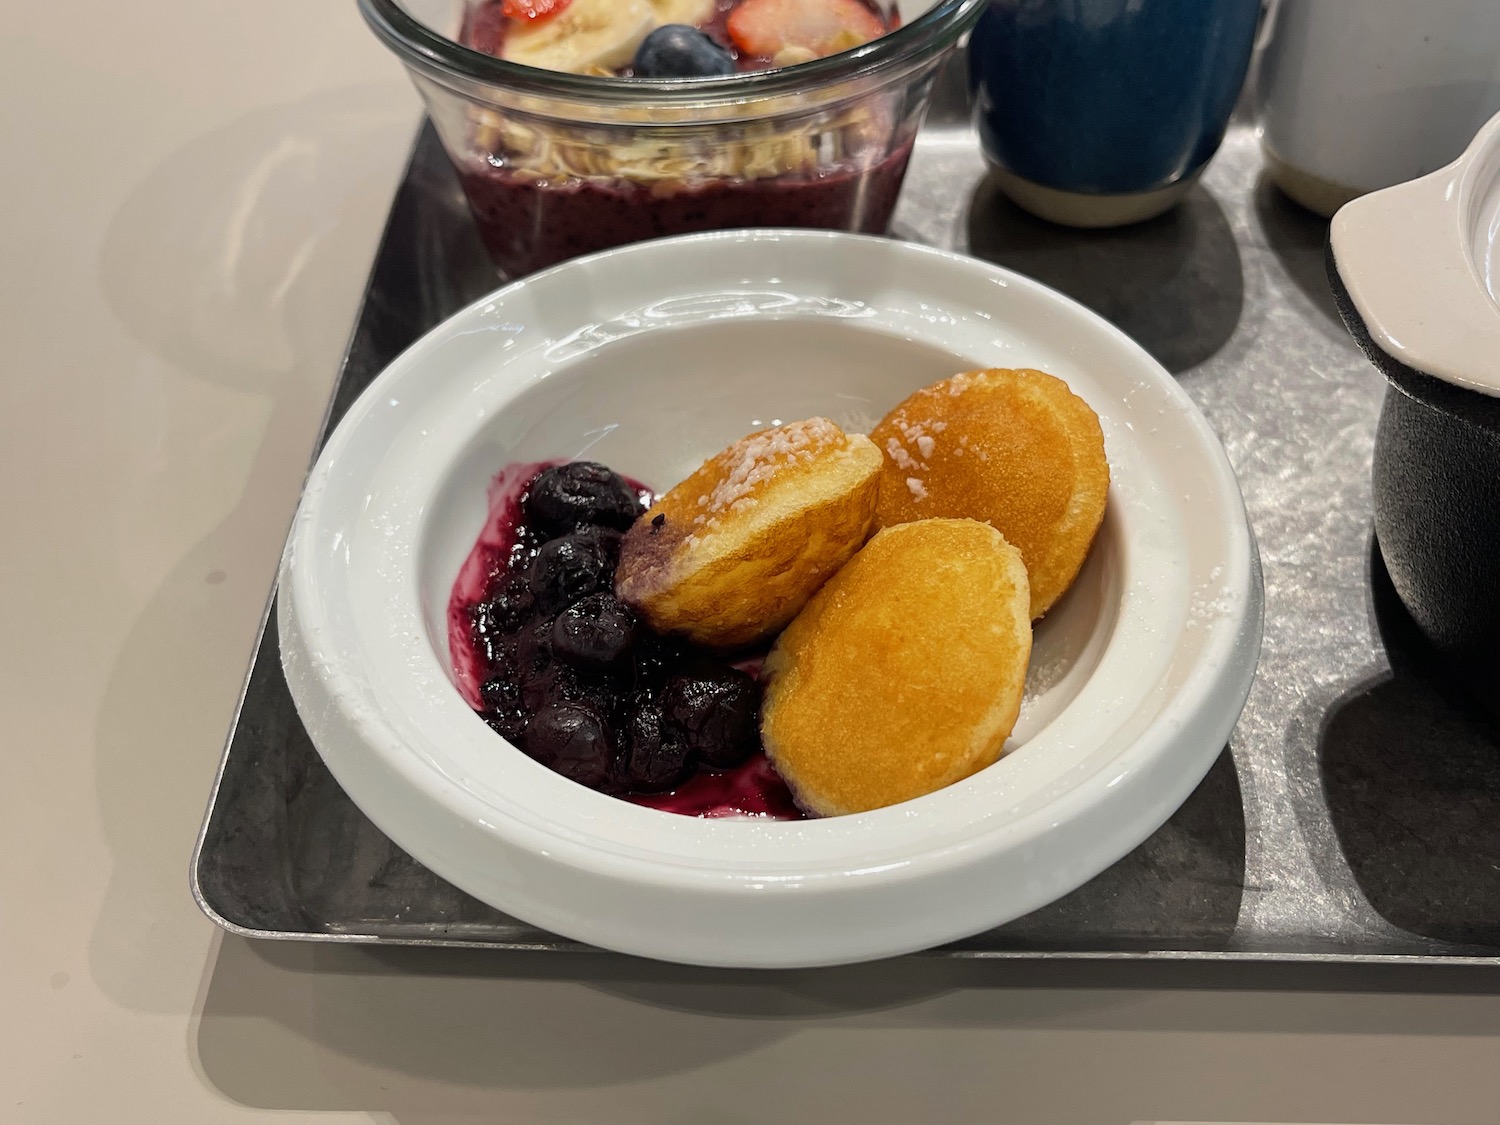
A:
x: 731, y: 554
x: 1014, y: 448
x: 905, y: 673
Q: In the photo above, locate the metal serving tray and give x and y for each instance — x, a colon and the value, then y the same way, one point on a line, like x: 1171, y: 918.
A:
x: 1355, y: 815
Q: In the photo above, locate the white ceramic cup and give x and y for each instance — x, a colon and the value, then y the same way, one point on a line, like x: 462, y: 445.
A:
x: 1357, y: 95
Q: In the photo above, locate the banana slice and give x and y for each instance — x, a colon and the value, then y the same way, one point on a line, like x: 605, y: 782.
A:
x: 587, y: 34
x: 691, y: 12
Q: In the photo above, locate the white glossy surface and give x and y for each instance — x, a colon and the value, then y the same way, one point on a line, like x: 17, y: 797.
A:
x: 161, y: 395
x: 1419, y: 263
x: 1364, y: 94
x: 678, y: 348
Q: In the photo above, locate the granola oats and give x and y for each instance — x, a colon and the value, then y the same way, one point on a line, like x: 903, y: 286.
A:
x: 758, y: 150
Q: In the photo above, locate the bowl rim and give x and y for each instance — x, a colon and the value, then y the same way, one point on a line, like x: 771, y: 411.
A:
x: 1227, y: 643
x: 442, y: 58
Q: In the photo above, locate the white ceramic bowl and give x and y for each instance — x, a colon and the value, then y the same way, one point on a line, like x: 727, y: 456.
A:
x: 650, y: 358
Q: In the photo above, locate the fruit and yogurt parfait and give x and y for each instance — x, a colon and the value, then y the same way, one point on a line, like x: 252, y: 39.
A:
x: 577, y: 125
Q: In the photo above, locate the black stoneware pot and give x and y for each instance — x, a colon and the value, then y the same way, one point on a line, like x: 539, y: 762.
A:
x: 1415, y: 271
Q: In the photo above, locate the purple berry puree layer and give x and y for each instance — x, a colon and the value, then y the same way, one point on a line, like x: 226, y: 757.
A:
x: 528, y: 225
x: 753, y: 789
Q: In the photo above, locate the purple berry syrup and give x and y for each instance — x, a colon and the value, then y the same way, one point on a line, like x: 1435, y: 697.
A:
x: 752, y: 789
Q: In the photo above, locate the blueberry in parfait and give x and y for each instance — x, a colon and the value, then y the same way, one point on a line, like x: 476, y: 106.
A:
x: 675, y: 50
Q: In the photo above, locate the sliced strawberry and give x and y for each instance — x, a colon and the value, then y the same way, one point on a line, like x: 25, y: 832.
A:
x: 532, y: 11
x: 764, y: 28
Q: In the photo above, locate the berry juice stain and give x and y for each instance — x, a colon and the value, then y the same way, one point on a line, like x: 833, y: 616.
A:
x: 499, y: 606
x: 754, y: 789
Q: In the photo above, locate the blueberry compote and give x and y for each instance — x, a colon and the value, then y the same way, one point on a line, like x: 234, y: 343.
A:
x: 559, y: 668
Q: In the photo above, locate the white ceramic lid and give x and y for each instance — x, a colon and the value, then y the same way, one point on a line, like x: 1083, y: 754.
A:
x: 1422, y: 269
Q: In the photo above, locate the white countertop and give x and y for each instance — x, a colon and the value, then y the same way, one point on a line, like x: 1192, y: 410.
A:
x: 190, y: 195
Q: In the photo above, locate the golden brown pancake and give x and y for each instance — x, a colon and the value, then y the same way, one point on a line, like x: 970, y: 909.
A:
x: 904, y: 673
x: 1014, y: 448
x: 731, y: 554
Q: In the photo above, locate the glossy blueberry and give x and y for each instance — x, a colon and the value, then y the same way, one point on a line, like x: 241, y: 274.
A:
x: 503, y: 709
x: 572, y: 567
x: 554, y: 683
x: 546, y: 687
x: 500, y: 693
x: 594, y: 632
x: 528, y: 542
x: 656, y: 658
x: 500, y: 615
x: 715, y: 708
x: 509, y: 725
x: 508, y: 602
x: 676, y: 50
x: 657, y: 758
x: 581, y: 493
x: 557, y: 682
x: 574, y: 740
x: 533, y: 649
x: 499, y: 655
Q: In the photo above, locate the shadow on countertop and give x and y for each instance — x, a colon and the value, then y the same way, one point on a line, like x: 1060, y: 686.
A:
x: 1173, y: 283
x: 1180, y: 889
x: 1297, y: 237
x: 1411, y: 773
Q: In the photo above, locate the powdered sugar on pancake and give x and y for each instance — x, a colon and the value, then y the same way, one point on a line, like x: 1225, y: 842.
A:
x: 759, y: 457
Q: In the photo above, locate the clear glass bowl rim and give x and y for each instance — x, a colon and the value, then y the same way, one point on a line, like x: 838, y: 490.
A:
x: 442, y: 58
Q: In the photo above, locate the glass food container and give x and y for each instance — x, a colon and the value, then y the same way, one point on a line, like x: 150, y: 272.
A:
x: 558, y: 164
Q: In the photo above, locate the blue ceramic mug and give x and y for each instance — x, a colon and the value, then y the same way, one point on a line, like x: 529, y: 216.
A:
x: 1103, y: 112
